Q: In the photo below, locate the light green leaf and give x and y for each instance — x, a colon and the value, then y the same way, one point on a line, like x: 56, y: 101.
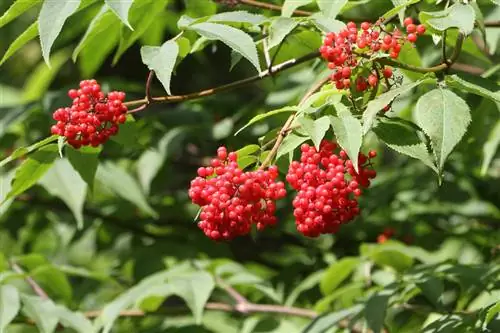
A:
x: 195, y: 290
x: 65, y: 183
x: 325, y: 24
x: 326, y: 321
x: 387, y: 255
x: 247, y: 150
x: 121, y: 183
x: 184, y: 46
x: 279, y: 29
x: 236, y: 39
x: 337, y: 273
x: 121, y: 9
x: 375, y: 310
x: 51, y: 20
x: 74, y: 320
x: 10, y: 305
x: 53, y: 280
x: 20, y: 152
x: 84, y: 161
x: 32, y: 169
x: 404, y: 139
x: 289, y: 144
x: 5, y: 186
x: 17, y: 9
x: 384, y: 99
x: 400, y: 6
x: 161, y: 60
x: 41, y: 311
x: 490, y: 148
x: 239, y: 16
x: 444, y: 117
x: 492, y: 313
x: 23, y: 39
x: 42, y: 76
x: 222, y: 129
x: 290, y: 5
x: 475, y: 85
x: 316, y: 129
x: 459, y: 16
x: 263, y: 116
x: 331, y: 8
x: 348, y: 131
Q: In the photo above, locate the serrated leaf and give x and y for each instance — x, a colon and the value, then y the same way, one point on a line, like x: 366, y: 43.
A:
x: 461, y: 16
x: 325, y: 24
x: 17, y: 9
x: 65, y: 183
x: 263, y: 116
x: 444, y: 117
x: 384, y: 99
x: 195, y: 290
x: 161, y: 60
x: 475, y: 85
x: 490, y: 147
x: 10, y: 305
x: 331, y: 8
x: 51, y: 20
x: 84, y: 161
x: 122, y: 183
x: 290, y: 5
x: 41, y: 311
x: 289, y: 144
x: 32, y: 169
x: 239, y: 16
x: 337, y: 273
x: 349, y: 133
x: 405, y: 140
x: 236, y: 39
x: 375, y: 310
x: 30, y: 33
x: 326, y: 321
x: 121, y: 8
x: 279, y: 29
x: 316, y: 129
x: 74, y: 320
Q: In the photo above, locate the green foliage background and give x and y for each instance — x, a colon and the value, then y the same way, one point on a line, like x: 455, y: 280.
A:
x: 89, y: 247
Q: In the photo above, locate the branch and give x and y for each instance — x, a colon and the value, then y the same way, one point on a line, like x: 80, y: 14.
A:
x: 270, y: 6
x: 492, y: 24
x: 33, y: 284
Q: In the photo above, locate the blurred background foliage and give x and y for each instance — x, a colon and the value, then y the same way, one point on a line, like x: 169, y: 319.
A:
x: 442, y: 262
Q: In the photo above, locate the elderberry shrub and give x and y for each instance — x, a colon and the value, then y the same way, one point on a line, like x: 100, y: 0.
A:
x: 328, y: 188
x: 92, y: 118
x: 345, y: 50
x: 233, y: 200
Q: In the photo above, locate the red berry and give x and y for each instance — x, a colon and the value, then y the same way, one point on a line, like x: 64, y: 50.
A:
x: 372, y: 80
x: 411, y: 28
x: 372, y: 154
x: 420, y: 29
x: 407, y: 21
x: 412, y: 38
x: 365, y: 25
x: 387, y: 72
x: 346, y: 72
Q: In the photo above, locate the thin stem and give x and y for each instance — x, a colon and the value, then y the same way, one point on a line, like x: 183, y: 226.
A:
x: 269, y: 6
x: 33, y: 284
x: 492, y: 24
x: 239, y: 298
x: 151, y: 75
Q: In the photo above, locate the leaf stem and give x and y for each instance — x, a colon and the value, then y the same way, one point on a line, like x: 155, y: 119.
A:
x: 33, y: 284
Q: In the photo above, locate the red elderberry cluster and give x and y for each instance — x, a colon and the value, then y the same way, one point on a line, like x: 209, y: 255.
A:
x: 232, y: 200
x: 344, y: 51
x: 327, y: 186
x: 92, y: 118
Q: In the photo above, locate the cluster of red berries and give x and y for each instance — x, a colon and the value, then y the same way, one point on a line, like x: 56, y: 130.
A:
x: 327, y: 186
x: 92, y: 118
x: 345, y: 50
x: 232, y: 200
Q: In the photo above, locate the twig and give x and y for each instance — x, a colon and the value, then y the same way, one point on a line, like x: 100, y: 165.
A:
x: 33, y: 284
x: 270, y: 6
x: 492, y: 24
x: 241, y: 301
x: 151, y: 75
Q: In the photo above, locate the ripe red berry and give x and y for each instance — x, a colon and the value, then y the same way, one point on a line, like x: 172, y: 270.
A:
x: 387, y: 72
x: 372, y: 80
x: 372, y: 154
x: 411, y: 28
x: 412, y: 38
x: 346, y: 72
x: 420, y: 29
x: 365, y: 25
x: 407, y: 21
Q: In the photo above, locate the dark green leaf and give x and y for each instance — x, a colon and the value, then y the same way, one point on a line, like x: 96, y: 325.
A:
x: 51, y: 20
x: 17, y: 9
x: 54, y: 281
x: 121, y: 9
x: 161, y: 60
x: 20, y: 152
x: 461, y: 16
x: 490, y: 148
x: 476, y: 85
x: 337, y: 273
x: 375, y: 310
x: 30, y: 33
x: 127, y: 134
x: 84, y: 161
x: 308, y: 283
x: 263, y: 116
x: 325, y: 322
x: 444, y: 117
x: 279, y: 29
x: 433, y: 289
x: 10, y: 305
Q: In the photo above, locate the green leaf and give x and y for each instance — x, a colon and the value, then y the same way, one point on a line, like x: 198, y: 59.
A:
x: 10, y: 305
x: 121, y: 183
x: 84, y: 161
x: 65, y: 183
x: 222, y: 129
x: 30, y: 33
x: 337, y: 273
x: 348, y: 131
x: 331, y: 8
x: 384, y: 99
x: 162, y: 61
x: 290, y: 5
x: 127, y: 134
x: 326, y: 321
x: 492, y: 313
x: 20, y: 152
x: 432, y: 288
x: 457, y: 16
x: 239, y: 16
x: 51, y: 20
x: 42, y: 76
x: 316, y: 129
x: 325, y: 24
x: 375, y: 310
x: 142, y: 15
x: 74, y: 320
x: 476, y: 85
x: 444, y: 117
x: 5, y: 186
x: 184, y: 46
x: 263, y: 116
x: 247, y: 150
x: 32, y: 169
x: 400, y: 6
x: 17, y: 9
x: 490, y: 147
x: 41, y: 311
x: 387, y: 255
x: 236, y: 39
x: 195, y: 290
x: 121, y: 9
x: 404, y: 139
x: 289, y: 144
x: 279, y: 29
x: 308, y: 283
x: 53, y: 280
